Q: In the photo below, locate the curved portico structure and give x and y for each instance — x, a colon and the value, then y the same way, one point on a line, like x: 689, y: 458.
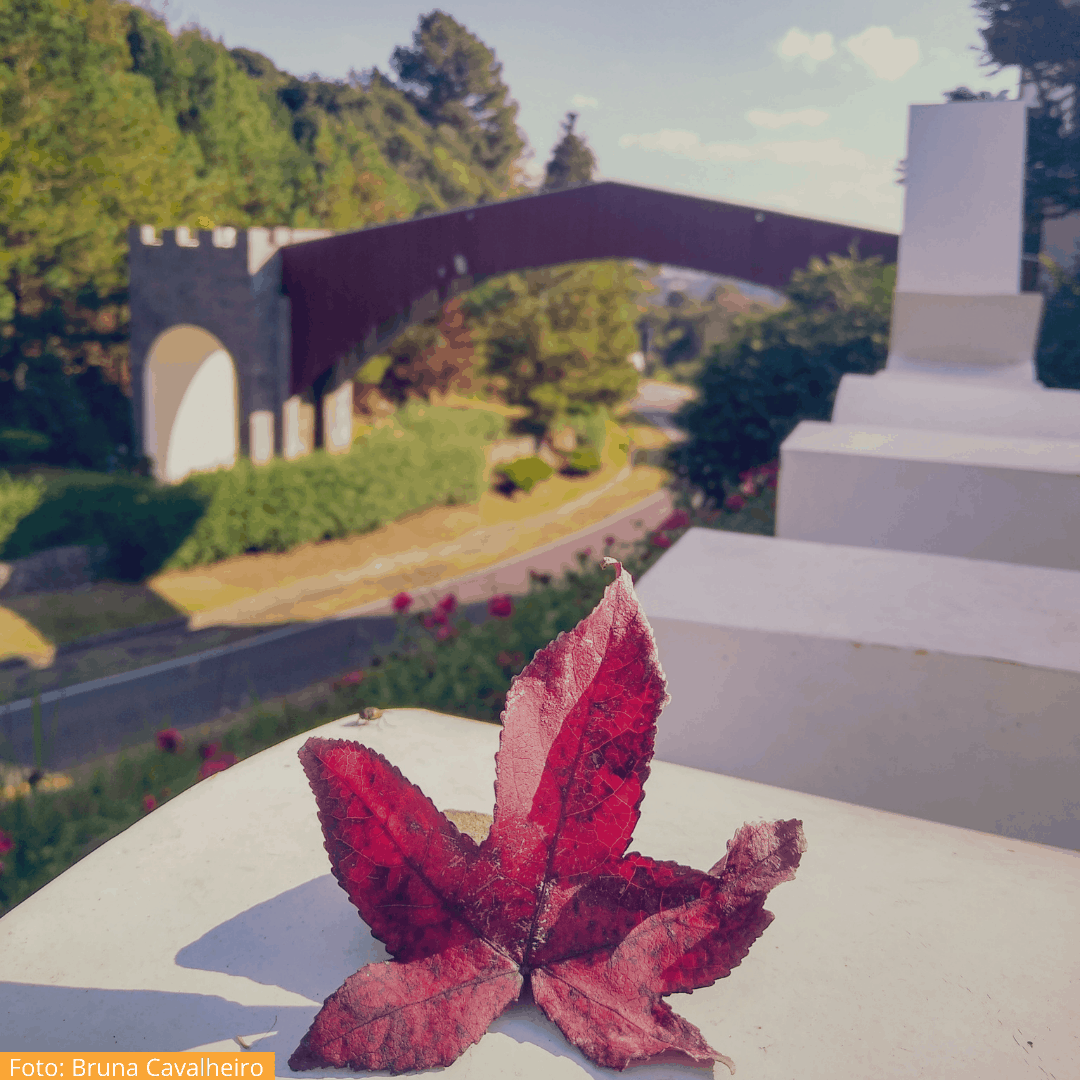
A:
x: 299, y: 310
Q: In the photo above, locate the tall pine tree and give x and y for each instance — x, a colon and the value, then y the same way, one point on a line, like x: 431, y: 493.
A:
x: 453, y: 78
x: 572, y: 162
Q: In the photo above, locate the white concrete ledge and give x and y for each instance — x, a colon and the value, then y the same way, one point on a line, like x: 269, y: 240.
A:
x: 901, y: 949
x: 981, y: 496
x: 940, y: 687
x: 959, y: 404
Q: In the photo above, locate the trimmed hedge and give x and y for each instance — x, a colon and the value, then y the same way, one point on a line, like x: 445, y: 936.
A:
x: 526, y: 473
x: 427, y: 457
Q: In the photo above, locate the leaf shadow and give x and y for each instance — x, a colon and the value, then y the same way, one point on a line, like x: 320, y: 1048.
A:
x: 307, y: 940
x: 81, y: 1019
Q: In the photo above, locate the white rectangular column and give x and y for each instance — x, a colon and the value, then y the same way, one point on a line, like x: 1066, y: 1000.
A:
x: 337, y: 406
x: 298, y: 428
x: 261, y: 436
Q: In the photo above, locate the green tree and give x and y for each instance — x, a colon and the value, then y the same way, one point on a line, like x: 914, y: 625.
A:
x: 783, y: 367
x: 452, y: 78
x: 84, y: 150
x: 1042, y: 38
x: 572, y: 162
x: 556, y: 341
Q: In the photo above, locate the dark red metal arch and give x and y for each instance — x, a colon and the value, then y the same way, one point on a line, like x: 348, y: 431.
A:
x: 345, y: 287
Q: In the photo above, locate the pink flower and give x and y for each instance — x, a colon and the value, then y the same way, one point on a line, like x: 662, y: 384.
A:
x: 402, y: 602
x: 6, y: 843
x: 223, y: 761
x: 609, y: 541
x: 748, y: 488
x: 734, y: 502
x: 207, y: 750
x: 149, y: 803
x: 351, y: 678
x: 501, y: 607
x: 169, y: 740
x: 660, y: 540
x: 444, y: 632
x: 447, y: 605
x: 680, y: 519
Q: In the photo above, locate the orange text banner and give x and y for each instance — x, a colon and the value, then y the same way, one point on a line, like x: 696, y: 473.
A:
x: 253, y: 1065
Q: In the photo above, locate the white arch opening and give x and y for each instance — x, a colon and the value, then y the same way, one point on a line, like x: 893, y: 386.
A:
x: 189, y: 404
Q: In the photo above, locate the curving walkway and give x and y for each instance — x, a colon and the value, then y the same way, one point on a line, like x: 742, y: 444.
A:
x: 100, y: 717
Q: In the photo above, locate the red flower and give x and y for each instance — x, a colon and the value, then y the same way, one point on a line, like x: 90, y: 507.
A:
x: 501, y: 607
x: 207, y: 750
x: 218, y: 764
x: 169, y: 740
x: 680, y: 519
x: 447, y: 605
x: 734, y: 502
x: 660, y: 540
x: 402, y: 602
x: 149, y: 803
x: 609, y: 541
x: 6, y: 843
x: 351, y: 678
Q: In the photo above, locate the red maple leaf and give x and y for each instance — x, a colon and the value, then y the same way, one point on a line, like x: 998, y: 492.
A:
x: 550, y: 898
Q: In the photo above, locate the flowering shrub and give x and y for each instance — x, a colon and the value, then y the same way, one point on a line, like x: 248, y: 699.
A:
x: 222, y: 760
x: 169, y: 740
x: 350, y: 678
x: 501, y: 607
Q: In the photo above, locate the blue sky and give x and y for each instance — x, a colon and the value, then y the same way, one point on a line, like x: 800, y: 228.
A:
x: 801, y: 107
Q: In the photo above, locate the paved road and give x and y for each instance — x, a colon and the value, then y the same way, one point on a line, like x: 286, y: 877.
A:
x: 98, y: 717
x: 656, y: 401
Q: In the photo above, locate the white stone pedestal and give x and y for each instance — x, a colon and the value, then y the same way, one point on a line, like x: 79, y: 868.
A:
x: 984, y: 497
x: 902, y: 948
x: 965, y: 406
x: 940, y: 687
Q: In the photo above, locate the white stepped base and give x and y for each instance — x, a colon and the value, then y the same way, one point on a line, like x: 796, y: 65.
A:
x: 981, y: 496
x: 957, y: 401
x: 944, y: 688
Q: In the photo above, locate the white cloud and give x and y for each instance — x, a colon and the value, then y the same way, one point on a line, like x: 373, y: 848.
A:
x: 837, y: 177
x: 582, y: 101
x: 888, y: 57
x: 688, y: 144
x: 813, y: 49
x: 765, y: 118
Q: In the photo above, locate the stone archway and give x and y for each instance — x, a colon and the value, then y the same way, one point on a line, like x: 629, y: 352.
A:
x: 189, y: 404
